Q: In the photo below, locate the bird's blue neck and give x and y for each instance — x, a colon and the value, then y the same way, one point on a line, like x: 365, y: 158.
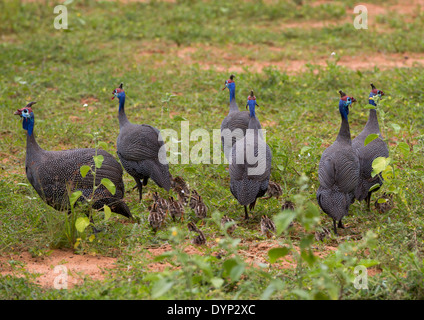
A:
x: 121, y: 102
x: 232, y: 88
x: 371, y: 101
x: 28, y: 125
x: 252, y: 104
x: 344, y: 109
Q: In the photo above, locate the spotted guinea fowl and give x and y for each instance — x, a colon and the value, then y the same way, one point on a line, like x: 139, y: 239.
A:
x: 234, y: 125
x: 140, y: 148
x: 200, y: 238
x: 267, y: 226
x: 338, y: 170
x: 231, y: 224
x: 56, y: 174
x: 250, y: 166
x: 367, y: 154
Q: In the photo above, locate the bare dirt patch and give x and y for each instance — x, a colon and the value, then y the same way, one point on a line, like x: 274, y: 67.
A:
x: 77, y: 266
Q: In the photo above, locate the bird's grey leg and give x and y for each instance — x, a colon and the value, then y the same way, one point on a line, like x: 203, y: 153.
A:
x: 246, y: 215
x: 140, y: 187
x: 341, y: 225
x: 335, y: 227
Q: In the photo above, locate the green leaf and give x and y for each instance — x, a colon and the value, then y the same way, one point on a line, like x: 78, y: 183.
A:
x: 367, y: 263
x: 304, y: 149
x: 404, y: 148
x: 109, y: 185
x: 395, y: 127
x: 160, y: 287
x: 276, y: 253
x: 370, y: 138
x: 67, y: 2
x: 382, y: 200
x: 107, y: 211
x: 217, y: 282
x: 74, y: 197
x: 81, y: 223
x: 379, y: 164
x: 233, y: 268
x: 84, y: 170
x: 376, y: 186
x: 102, y: 145
x: 98, y: 160
x: 283, y: 220
x: 179, y: 118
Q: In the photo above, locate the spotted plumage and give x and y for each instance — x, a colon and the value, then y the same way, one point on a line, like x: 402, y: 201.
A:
x: 367, y: 154
x: 322, y: 234
x: 200, y: 210
x: 200, y: 239
x: 141, y: 150
x: 182, y: 190
x: 338, y: 170
x: 250, y: 166
x: 267, y: 226
x: 56, y: 174
x: 288, y: 205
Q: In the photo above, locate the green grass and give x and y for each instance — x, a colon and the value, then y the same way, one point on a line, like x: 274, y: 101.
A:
x: 62, y: 70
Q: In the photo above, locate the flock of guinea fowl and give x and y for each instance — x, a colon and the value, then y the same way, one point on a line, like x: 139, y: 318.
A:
x: 344, y: 169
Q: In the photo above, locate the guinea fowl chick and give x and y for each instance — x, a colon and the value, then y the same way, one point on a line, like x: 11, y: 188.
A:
x: 162, y: 203
x: 386, y: 205
x: 182, y: 190
x: 287, y: 205
x: 200, y: 239
x: 267, y: 226
x: 176, y: 209
x: 274, y: 190
x: 156, y: 217
x: 224, y: 220
x: 320, y: 235
x: 200, y: 210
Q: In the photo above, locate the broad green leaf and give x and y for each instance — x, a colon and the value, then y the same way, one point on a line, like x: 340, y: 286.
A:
x: 395, y: 127
x: 217, y: 282
x: 98, y: 160
x: 92, y: 238
x: 379, y: 164
x: 367, y: 263
x: 109, y: 185
x: 304, y: 149
x: 404, y: 148
x: 102, y: 145
x: 82, y: 223
x: 376, y: 186
x: 160, y: 287
x: 276, y: 253
x: 233, y: 268
x: 370, y: 138
x: 382, y: 200
x: 283, y: 220
x: 84, y: 170
x: 107, y: 211
x: 74, y: 197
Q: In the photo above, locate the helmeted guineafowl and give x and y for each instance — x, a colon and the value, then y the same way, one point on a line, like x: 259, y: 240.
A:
x: 250, y: 165
x: 338, y: 170
x: 141, y: 149
x: 56, y: 174
x: 367, y: 154
x: 234, y: 125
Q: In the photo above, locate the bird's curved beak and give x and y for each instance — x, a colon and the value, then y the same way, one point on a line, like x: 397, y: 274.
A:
x: 18, y: 112
x: 353, y: 99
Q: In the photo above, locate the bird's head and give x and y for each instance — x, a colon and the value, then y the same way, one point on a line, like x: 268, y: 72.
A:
x: 119, y: 92
x: 27, y: 116
x: 374, y: 92
x: 344, y: 103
